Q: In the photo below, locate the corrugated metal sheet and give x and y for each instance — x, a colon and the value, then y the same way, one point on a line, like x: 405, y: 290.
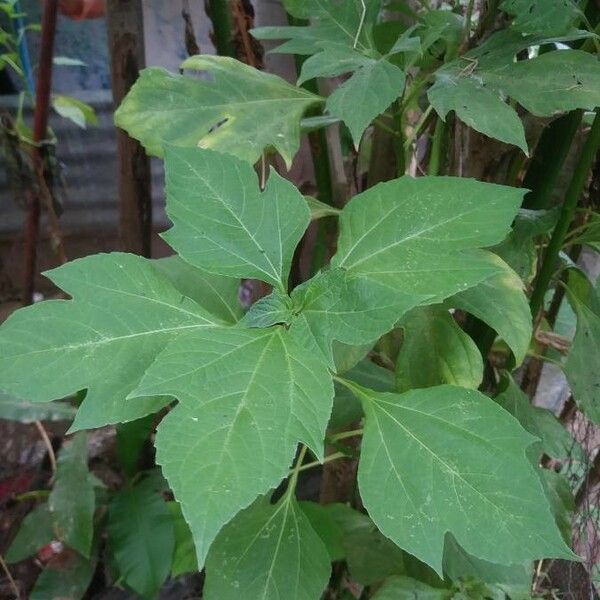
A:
x: 88, y: 159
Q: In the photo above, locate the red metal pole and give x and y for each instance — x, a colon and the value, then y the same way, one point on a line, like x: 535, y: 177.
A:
x: 40, y: 128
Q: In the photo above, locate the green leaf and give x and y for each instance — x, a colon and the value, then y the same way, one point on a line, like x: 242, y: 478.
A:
x: 514, y: 580
x: 319, y: 209
x: 332, y: 39
x: 72, y: 500
x: 406, y: 588
x: 13, y: 409
x: 241, y: 111
x: 518, y: 249
x: 35, y: 532
x: 324, y: 520
x: 426, y: 449
x: 332, y: 307
x: 247, y: 399
x: 347, y: 357
x: 414, y: 246
x: 500, y: 302
x: 141, y: 538
x: 331, y: 22
x: 333, y: 60
x: 346, y: 407
x: 65, y: 582
x: 394, y: 255
x: 371, y: 556
x: 122, y: 314
x: 366, y: 95
x: 217, y: 294
x: 351, y: 535
x: 555, y: 82
x: 475, y: 85
x: 223, y: 223
x: 558, y: 492
x: 184, y: 556
x: 268, y: 552
x: 479, y: 108
x: 435, y: 350
x: 591, y: 233
x: 67, y: 61
x: 276, y: 308
x: 584, y: 380
x: 81, y: 113
x: 556, y: 441
x: 543, y: 17
x: 131, y: 439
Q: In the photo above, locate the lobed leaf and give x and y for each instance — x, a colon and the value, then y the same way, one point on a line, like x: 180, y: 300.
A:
x: 122, y: 314
x: 247, y: 397
x: 402, y: 243
x: 242, y: 111
x: 452, y: 438
x: 543, y: 17
x: 224, y: 224
x: 476, y: 85
x: 269, y: 552
x: 478, y: 107
x: 13, y: 409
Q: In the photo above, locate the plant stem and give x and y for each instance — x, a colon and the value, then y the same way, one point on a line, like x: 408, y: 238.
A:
x: 319, y: 149
x: 437, y: 145
x: 295, y: 471
x: 33, y: 495
x: 40, y: 131
x: 11, y: 581
x: 48, y: 444
x: 548, y: 159
x: 569, y: 207
x: 327, y: 459
x: 221, y: 19
x: 418, y: 127
x: 345, y: 434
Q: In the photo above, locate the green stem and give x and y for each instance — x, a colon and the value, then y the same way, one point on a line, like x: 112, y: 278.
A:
x: 220, y: 16
x: 319, y: 149
x: 398, y: 142
x: 345, y: 434
x: 418, y: 127
x: 316, y: 463
x: 569, y: 208
x: 548, y: 159
x: 437, y: 145
x: 295, y: 471
x: 379, y: 123
x: 33, y: 495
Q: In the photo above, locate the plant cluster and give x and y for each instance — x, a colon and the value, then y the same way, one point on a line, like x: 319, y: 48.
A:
x: 450, y: 498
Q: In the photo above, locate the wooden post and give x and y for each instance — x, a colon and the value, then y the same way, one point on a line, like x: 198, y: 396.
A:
x: 125, y: 23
